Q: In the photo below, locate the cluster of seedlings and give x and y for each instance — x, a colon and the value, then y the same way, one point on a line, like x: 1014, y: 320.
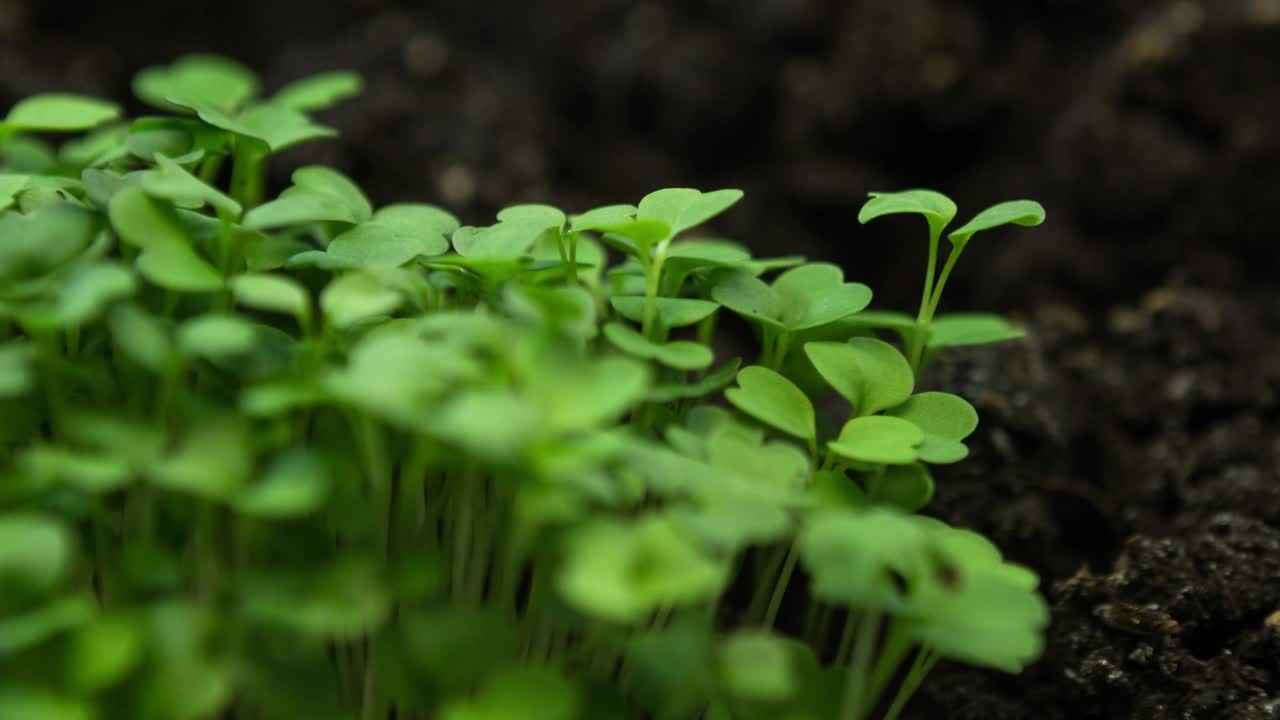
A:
x: 299, y: 457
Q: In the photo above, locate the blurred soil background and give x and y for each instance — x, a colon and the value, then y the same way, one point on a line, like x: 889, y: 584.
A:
x: 1130, y: 450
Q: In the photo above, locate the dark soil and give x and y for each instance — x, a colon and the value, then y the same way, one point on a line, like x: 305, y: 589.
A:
x: 1130, y: 450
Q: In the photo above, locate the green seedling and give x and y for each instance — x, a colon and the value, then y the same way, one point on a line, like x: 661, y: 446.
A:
x: 296, y: 455
x: 938, y: 212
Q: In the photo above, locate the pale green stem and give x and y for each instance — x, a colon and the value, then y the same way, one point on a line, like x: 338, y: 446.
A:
x: 652, y: 285
x: 925, y: 661
x: 856, y: 705
x: 780, y: 588
x: 248, y: 175
x: 952, y: 257
x: 926, y: 295
x: 897, y: 644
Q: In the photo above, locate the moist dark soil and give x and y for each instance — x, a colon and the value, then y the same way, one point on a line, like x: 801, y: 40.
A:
x: 1130, y: 449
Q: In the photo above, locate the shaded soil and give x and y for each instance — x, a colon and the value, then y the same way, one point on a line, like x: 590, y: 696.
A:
x: 1130, y: 450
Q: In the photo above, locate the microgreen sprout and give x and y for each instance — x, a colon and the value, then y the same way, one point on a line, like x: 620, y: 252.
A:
x: 297, y: 455
x: 938, y: 211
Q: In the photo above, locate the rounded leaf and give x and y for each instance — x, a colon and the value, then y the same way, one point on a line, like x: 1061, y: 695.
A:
x: 196, y: 80
x: 682, y: 355
x: 683, y: 208
x: 871, y: 374
x: 60, y: 112
x: 319, y: 91
x: 758, y: 665
x: 272, y: 293
x: 878, y: 439
x: 217, y: 336
x: 938, y: 209
x: 35, y: 550
x: 1027, y: 213
x: 774, y: 400
x: 816, y: 294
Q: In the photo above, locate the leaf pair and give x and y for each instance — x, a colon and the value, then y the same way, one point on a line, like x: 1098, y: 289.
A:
x: 802, y: 298
x: 660, y: 216
x: 938, y: 211
x: 623, y: 572
x: 952, y: 587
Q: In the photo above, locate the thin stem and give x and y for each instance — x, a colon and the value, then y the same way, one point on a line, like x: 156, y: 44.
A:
x: 952, y: 257
x: 897, y: 644
x: 780, y: 588
x: 926, y: 297
x: 652, y: 285
x: 925, y: 661
x: 763, y: 587
x: 248, y: 174
x: 856, y: 705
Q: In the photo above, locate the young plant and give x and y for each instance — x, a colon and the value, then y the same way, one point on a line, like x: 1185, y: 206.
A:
x: 302, y: 456
x: 925, y: 335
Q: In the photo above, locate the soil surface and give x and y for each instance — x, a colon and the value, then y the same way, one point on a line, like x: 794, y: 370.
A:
x: 1130, y: 450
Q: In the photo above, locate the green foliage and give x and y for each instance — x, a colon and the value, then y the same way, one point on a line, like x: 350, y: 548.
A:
x: 298, y: 455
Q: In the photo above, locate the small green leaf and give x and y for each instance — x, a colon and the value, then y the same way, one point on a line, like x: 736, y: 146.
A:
x: 142, y: 337
x: 749, y: 296
x: 909, y: 487
x: 871, y: 374
x: 94, y: 149
x: 90, y: 472
x: 938, y: 209
x: 1027, y: 213
x: 179, y: 269
x: 391, y: 243
x: 331, y: 183
x: 681, y: 355
x: 683, y: 208
x: 86, y: 291
x: 758, y: 665
x: 217, y: 336
x: 16, y: 702
x: 976, y: 608
x: 36, y: 243
x: 672, y: 312
x: 584, y: 397
x: 945, y: 419
x: 878, y: 439
x: 713, y: 381
x: 272, y: 293
x: 145, y: 222
x: 857, y: 557
x: 35, y: 550
x: 519, y: 694
x: 603, y: 218
x: 319, y: 92
x: 29, y: 629
x: 17, y: 375
x: 426, y: 226
x: 196, y: 80
x: 298, y: 208
x: 816, y: 294
x: 103, y: 653
x: 357, y: 297
x: 172, y: 182
x: 515, y: 233
x: 622, y: 572
x: 775, y: 401
x: 967, y: 329
x: 212, y: 462
x: 10, y: 186
x: 276, y: 128
x: 59, y: 112
x: 344, y: 600
x: 295, y: 484
x: 492, y: 423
